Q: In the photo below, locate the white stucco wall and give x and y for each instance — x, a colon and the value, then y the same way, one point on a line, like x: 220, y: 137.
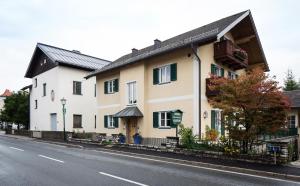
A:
x: 2, y: 102
x: 60, y: 79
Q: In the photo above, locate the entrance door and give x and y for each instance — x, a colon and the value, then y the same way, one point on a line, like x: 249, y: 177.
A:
x: 53, y: 120
x: 131, y: 129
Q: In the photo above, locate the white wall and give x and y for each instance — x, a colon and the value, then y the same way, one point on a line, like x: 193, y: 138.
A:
x: 2, y: 102
x: 60, y: 79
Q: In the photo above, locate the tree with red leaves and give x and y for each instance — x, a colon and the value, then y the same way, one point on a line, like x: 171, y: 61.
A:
x: 252, y: 105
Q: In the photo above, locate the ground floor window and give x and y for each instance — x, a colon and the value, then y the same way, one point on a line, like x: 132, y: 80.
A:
x: 292, y: 121
x: 77, y: 121
x: 162, y: 119
x: 111, y: 122
x: 216, y: 121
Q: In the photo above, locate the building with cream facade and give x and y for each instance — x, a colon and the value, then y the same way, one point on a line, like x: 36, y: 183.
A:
x: 138, y: 91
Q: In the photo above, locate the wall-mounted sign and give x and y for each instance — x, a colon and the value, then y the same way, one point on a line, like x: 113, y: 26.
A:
x: 176, y: 117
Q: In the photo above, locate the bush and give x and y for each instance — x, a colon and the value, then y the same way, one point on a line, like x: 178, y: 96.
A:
x: 211, y: 134
x: 187, y: 137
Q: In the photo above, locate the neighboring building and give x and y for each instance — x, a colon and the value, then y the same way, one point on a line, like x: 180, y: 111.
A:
x: 137, y: 92
x: 58, y: 73
x: 3, y: 96
x: 294, y: 114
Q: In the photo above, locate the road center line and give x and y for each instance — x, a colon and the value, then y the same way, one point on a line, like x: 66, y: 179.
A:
x: 123, y: 179
x: 16, y: 148
x: 50, y: 158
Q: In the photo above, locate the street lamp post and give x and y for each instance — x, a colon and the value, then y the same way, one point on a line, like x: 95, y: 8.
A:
x: 63, y: 102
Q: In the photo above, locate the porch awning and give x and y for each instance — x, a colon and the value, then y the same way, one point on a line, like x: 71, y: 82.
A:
x: 129, y: 112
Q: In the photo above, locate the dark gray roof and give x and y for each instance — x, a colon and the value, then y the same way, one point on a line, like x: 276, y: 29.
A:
x: 129, y: 112
x: 73, y: 58
x: 198, y: 35
x: 294, y: 97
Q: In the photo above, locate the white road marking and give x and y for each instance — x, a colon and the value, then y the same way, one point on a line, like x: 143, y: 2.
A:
x: 199, y: 167
x: 123, y: 179
x: 16, y: 148
x: 51, y: 158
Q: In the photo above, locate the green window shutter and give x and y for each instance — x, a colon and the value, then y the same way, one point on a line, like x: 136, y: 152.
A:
x: 105, y: 87
x: 155, y: 119
x: 213, y: 69
x: 213, y: 119
x: 116, y: 85
x: 105, y: 121
x: 173, y: 72
x: 155, y: 76
x: 222, y: 72
x: 222, y: 128
x: 236, y: 76
x: 229, y: 74
x: 172, y: 124
x: 116, y: 122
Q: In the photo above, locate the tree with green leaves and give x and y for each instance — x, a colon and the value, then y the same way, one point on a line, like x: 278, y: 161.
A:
x: 252, y: 105
x: 16, y: 109
x: 289, y: 82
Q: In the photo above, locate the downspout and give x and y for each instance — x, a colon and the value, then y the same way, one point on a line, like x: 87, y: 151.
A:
x: 194, y: 49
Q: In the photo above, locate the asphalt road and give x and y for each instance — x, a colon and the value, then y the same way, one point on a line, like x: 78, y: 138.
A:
x: 27, y: 162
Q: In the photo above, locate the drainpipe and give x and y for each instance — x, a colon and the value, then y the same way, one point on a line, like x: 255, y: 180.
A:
x: 194, y: 49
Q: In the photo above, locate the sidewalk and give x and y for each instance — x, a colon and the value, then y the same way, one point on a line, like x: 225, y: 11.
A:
x: 290, y: 171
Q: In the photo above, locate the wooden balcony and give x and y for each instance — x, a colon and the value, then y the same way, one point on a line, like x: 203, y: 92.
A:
x: 209, y: 92
x: 229, y: 54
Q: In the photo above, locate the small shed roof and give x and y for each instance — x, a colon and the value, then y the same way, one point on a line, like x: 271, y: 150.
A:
x: 294, y: 97
x: 129, y: 112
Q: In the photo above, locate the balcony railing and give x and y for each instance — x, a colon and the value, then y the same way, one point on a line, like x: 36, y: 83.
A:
x: 229, y: 54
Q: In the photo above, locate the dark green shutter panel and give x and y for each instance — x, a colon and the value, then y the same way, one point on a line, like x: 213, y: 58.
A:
x: 116, y: 85
x: 222, y: 124
x: 213, y: 69
x: 173, y: 72
x: 236, y: 76
x: 229, y: 74
x: 155, y: 76
x: 222, y: 72
x: 116, y: 122
x: 105, y: 87
x: 213, y: 119
x: 105, y: 121
x: 155, y: 119
x: 172, y: 124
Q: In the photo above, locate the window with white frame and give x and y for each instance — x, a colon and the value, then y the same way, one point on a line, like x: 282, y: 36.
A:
x: 164, y: 119
x: 110, y: 121
x: 217, y: 70
x: 292, y: 121
x: 232, y: 75
x: 164, y: 74
x: 110, y: 86
x: 131, y: 89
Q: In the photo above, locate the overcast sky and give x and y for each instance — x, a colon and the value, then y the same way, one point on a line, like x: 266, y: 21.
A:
x: 109, y: 29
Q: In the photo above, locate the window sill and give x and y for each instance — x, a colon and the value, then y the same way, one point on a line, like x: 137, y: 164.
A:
x: 77, y: 127
x: 77, y: 94
x: 164, y: 83
x: 164, y: 127
x: 110, y: 93
x: 111, y: 127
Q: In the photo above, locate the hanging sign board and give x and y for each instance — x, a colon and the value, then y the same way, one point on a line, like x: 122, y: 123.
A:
x: 176, y: 117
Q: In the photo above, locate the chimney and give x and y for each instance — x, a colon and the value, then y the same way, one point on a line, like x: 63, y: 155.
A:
x: 157, y: 43
x: 76, y: 51
x: 134, y: 51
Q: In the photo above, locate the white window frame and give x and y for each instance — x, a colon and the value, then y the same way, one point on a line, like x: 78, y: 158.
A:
x: 289, y: 121
x: 163, y: 123
x: 132, y: 93
x: 110, y: 86
x: 110, y: 121
x: 218, y: 120
x: 218, y: 71
x: 164, y: 74
x: 35, y: 82
x: 232, y: 75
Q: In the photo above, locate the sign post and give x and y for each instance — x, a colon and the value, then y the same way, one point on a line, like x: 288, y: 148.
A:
x: 176, y: 118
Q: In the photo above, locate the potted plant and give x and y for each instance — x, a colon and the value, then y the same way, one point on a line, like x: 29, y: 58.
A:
x: 122, y: 138
x: 137, y: 138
